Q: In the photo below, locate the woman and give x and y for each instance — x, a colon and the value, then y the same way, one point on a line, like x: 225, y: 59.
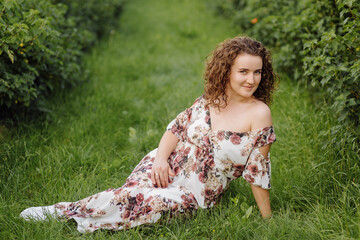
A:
x: 225, y: 134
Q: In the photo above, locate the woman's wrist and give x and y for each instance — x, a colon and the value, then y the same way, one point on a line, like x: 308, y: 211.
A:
x: 161, y: 160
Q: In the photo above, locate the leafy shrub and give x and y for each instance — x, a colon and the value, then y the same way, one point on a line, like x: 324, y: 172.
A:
x: 41, y: 47
x: 316, y: 39
x: 95, y: 16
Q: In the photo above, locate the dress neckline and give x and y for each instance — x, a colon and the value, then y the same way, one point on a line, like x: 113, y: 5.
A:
x: 207, y: 111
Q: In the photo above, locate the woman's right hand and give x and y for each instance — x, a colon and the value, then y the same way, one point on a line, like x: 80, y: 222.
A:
x: 160, y: 173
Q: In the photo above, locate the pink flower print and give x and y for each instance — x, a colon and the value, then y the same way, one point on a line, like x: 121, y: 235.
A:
x: 136, y: 208
x: 198, y: 153
x: 221, y: 135
x: 210, y: 163
x: 176, y: 170
x: 146, y: 209
x: 207, y: 164
x: 249, y: 179
x: 132, y: 184
x: 149, y: 199
x: 89, y: 210
x: 187, y: 150
x: 178, y: 159
x: 209, y: 193
x: 207, y: 118
x: 174, y: 207
x: 188, y: 201
x: 235, y: 139
x: 118, y: 191
x: 206, y: 140
x: 176, y: 130
x: 244, y: 152
x: 253, y: 169
x: 202, y: 177
x: 126, y: 214
x: 127, y: 225
x: 220, y: 189
x: 102, y: 212
x: 271, y: 138
x: 139, y: 198
x: 119, y: 224
x: 185, y: 201
x: 192, y: 196
x: 188, y: 113
x: 238, y: 170
x: 193, y: 167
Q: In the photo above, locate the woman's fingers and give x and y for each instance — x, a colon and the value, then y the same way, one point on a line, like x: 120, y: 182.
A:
x: 166, y: 178
x: 152, y: 176
x: 163, y: 179
x: 160, y: 176
x: 171, y: 174
x: 157, y: 179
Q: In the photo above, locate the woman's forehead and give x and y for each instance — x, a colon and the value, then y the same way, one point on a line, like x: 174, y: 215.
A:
x: 248, y: 61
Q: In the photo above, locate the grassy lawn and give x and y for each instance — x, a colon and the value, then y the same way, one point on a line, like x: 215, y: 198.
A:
x: 146, y: 72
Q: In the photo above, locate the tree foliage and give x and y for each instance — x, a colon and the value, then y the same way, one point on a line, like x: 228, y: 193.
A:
x: 316, y: 42
x: 41, y: 44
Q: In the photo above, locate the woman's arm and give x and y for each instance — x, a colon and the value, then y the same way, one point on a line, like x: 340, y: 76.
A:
x: 262, y: 199
x: 161, y: 170
x: 261, y: 195
x: 262, y: 118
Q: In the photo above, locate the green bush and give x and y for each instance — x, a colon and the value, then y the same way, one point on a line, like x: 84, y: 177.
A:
x: 97, y: 17
x: 315, y: 41
x: 41, y: 47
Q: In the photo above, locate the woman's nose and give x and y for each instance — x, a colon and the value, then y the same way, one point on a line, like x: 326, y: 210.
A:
x: 251, y: 78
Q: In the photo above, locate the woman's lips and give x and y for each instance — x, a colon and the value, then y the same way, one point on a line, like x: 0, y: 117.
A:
x: 248, y: 87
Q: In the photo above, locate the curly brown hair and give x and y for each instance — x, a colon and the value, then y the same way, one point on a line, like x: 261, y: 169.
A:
x: 218, y: 68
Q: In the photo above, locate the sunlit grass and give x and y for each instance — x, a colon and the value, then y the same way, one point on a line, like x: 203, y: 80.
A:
x: 141, y: 77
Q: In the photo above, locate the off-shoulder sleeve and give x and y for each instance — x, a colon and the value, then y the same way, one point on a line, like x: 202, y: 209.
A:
x: 258, y: 167
x: 179, y: 125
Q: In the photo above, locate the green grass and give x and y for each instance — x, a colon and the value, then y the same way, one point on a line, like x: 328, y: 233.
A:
x: 141, y: 77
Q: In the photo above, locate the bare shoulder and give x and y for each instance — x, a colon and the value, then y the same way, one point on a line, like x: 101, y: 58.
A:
x: 261, y: 115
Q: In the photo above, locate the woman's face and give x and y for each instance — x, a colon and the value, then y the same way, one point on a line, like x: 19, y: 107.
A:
x: 245, y: 76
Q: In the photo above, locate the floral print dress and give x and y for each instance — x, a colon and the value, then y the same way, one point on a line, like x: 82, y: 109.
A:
x: 204, y: 162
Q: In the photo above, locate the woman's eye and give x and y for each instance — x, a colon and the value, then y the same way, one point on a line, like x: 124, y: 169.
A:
x: 243, y: 72
x: 258, y: 72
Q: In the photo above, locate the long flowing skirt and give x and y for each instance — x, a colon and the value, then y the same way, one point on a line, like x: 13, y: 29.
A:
x: 136, y: 202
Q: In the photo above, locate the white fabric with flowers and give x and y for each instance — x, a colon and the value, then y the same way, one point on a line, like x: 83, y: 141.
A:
x: 204, y: 162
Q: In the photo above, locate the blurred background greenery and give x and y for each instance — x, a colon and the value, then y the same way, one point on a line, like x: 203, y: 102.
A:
x: 117, y: 81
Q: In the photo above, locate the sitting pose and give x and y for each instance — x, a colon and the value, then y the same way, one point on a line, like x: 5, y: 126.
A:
x: 225, y: 134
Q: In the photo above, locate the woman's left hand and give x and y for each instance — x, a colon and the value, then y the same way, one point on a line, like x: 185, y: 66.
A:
x: 160, y: 173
